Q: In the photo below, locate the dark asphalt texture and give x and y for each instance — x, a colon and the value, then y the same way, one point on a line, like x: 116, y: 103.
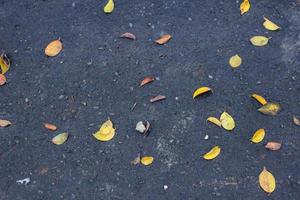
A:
x: 97, y: 74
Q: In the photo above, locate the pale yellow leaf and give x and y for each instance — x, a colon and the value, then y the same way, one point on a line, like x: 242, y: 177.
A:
x: 259, y: 41
x: 201, y: 90
x: 147, y: 160
x: 214, y: 121
x: 60, y: 138
x: 4, y: 123
x: 270, y: 109
x: 258, y: 136
x: 106, y: 131
x: 227, y: 121
x: 235, y: 61
x: 109, y: 7
x: 267, y: 181
x: 213, y: 153
x: 259, y: 98
x: 53, y: 48
x: 270, y: 25
x: 163, y: 39
x: 245, y: 6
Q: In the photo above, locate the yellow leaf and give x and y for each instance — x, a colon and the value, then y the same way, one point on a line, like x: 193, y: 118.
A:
x: 259, y: 98
x: 227, y: 121
x: 213, y: 153
x: 245, y: 6
x: 109, y: 7
x: 259, y: 41
x: 106, y: 131
x: 53, y: 48
x: 201, y: 90
x: 235, y: 61
x: 267, y: 181
x: 258, y: 136
x: 147, y: 160
x: 60, y: 138
x: 4, y: 63
x: 214, y: 121
x: 4, y: 123
x: 270, y: 25
x: 270, y: 109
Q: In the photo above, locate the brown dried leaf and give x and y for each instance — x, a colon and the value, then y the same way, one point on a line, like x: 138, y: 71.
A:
x: 147, y: 80
x: 50, y: 127
x: 163, y: 39
x: 128, y: 36
x: 2, y: 79
x: 146, y: 132
x: 296, y: 121
x: 157, y: 98
x: 4, y: 123
x: 273, y: 146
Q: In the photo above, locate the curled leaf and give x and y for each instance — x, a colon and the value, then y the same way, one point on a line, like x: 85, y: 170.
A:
x: 50, y: 127
x: 267, y: 181
x: 53, y: 48
x: 109, y: 7
x: 157, y: 98
x: 128, y: 36
x: 227, y: 121
x: 296, y: 121
x: 270, y: 109
x: 259, y: 41
x: 269, y: 25
x: 4, y: 123
x: 106, y: 131
x: 2, y: 79
x: 273, y: 146
x: 235, y: 61
x: 163, y: 39
x: 4, y: 63
x: 136, y: 161
x: 213, y: 153
x: 147, y: 160
x: 214, y: 121
x: 258, y: 136
x: 60, y: 138
x: 201, y: 90
x: 245, y: 6
x: 146, y: 80
x: 259, y: 98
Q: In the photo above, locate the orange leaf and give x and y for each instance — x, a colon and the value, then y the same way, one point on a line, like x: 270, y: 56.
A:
x: 147, y: 80
x: 53, y: 48
x: 2, y: 79
x: 50, y: 127
x: 163, y: 39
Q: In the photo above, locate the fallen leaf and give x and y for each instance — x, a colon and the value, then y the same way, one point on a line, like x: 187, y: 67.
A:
x: 273, y: 146
x: 106, y: 131
x: 2, y: 79
x: 147, y: 160
x: 157, y: 98
x: 227, y: 121
x: 270, y: 109
x: 213, y: 153
x: 267, y: 181
x: 136, y: 161
x: 270, y: 25
x: 147, y: 80
x: 258, y: 136
x: 235, y: 61
x: 163, y: 39
x: 245, y: 6
x: 146, y: 132
x: 140, y: 127
x: 109, y: 7
x: 53, y: 48
x: 201, y: 90
x: 60, y: 138
x: 50, y: 127
x: 259, y: 98
x: 128, y: 36
x: 4, y: 123
x: 214, y: 121
x: 4, y: 63
x: 259, y: 41
x: 296, y: 121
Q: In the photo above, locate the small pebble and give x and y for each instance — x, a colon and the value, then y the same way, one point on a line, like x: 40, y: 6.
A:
x: 165, y: 187
x: 206, y: 137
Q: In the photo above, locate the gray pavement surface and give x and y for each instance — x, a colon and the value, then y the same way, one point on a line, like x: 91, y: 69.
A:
x: 96, y: 76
